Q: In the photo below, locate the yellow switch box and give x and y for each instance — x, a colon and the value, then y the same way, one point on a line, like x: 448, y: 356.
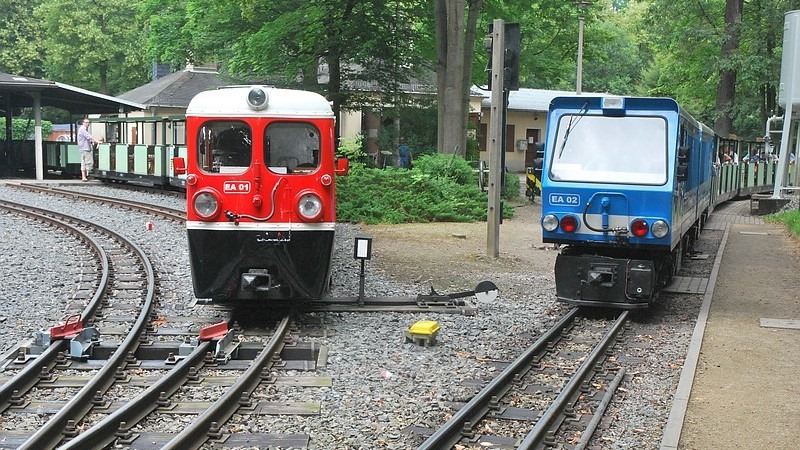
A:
x: 423, y: 332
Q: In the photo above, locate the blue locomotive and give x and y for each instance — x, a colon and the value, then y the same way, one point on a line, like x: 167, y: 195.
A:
x: 626, y: 184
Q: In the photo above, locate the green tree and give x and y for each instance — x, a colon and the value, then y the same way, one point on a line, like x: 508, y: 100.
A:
x: 734, y: 87
x: 23, y: 129
x: 168, y: 40
x: 21, y: 35
x: 93, y: 44
x: 726, y: 88
x: 352, y: 50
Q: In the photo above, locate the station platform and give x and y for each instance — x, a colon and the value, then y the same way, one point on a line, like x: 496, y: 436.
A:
x: 52, y: 181
x: 740, y: 384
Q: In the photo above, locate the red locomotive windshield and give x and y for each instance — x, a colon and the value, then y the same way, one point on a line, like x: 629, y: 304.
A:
x: 224, y: 146
x: 292, y: 147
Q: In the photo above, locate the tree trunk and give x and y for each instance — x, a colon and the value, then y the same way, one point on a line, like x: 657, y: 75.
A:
x: 455, y: 37
x: 473, y: 11
x: 726, y: 90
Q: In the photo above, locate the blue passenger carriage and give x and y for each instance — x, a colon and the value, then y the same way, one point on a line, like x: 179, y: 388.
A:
x: 626, y: 183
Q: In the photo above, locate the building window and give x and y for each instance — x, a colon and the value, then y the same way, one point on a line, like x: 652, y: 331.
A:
x: 482, y: 137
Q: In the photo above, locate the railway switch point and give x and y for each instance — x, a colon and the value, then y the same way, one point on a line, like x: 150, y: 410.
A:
x: 214, y: 332
x: 70, y: 328
x: 423, y: 333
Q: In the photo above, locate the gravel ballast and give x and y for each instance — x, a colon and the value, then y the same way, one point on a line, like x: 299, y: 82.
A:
x: 381, y: 383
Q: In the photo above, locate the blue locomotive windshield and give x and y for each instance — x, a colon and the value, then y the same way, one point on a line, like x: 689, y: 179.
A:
x: 603, y: 149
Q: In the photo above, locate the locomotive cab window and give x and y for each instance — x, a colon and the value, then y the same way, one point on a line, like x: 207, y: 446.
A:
x: 604, y: 149
x: 224, y: 146
x: 292, y: 147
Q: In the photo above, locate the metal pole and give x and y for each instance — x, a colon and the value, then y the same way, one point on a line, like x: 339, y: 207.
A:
x: 790, y: 58
x: 37, y: 135
x: 783, y: 156
x: 361, y: 285
x: 579, y: 82
x: 496, y: 140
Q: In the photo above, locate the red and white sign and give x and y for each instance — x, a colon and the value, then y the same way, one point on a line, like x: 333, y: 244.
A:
x: 236, y: 187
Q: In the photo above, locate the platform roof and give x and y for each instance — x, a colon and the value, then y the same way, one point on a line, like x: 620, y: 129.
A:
x: 17, y: 91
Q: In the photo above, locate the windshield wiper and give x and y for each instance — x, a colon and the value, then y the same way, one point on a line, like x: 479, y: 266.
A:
x: 582, y: 112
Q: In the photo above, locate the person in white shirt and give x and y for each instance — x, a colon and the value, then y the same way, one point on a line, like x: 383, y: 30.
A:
x: 85, y: 141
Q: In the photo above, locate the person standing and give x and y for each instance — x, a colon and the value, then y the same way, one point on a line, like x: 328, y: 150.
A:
x: 404, y: 151
x: 85, y: 145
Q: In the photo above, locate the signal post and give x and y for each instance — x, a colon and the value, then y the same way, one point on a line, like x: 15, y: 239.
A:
x: 503, y: 77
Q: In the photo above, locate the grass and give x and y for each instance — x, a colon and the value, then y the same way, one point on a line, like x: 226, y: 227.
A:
x: 789, y: 218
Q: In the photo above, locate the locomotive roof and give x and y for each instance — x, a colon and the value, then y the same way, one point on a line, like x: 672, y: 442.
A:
x: 635, y: 103
x: 631, y: 103
x: 232, y: 101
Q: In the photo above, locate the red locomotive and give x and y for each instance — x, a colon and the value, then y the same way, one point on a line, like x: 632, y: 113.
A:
x: 260, y: 192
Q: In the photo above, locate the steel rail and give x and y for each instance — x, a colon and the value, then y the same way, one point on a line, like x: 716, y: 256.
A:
x: 168, y: 213
x: 102, y: 434
x: 28, y: 376
x: 600, y: 411
x: 51, y: 433
x: 572, y: 387
x: 197, y: 433
x: 449, y: 434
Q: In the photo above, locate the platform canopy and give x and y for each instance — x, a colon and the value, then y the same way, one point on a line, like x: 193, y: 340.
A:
x: 18, y: 91
x: 25, y: 92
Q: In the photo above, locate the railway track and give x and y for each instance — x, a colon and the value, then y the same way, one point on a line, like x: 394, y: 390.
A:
x: 147, y: 208
x: 534, y: 401
x: 101, y: 376
x: 641, y: 355
x: 124, y: 269
x: 432, y: 301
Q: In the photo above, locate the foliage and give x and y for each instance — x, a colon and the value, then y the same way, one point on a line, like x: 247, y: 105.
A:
x: 510, y: 186
x: 473, y: 149
x: 351, y: 42
x: 789, y: 218
x: 353, y: 150
x: 417, y: 126
x: 21, y: 35
x: 94, y: 44
x: 355, y: 50
x: 440, y: 188
x: 168, y: 40
x: 449, y: 167
x: 22, y: 129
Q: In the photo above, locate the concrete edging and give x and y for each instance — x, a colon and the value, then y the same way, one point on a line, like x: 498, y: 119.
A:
x: 680, y: 401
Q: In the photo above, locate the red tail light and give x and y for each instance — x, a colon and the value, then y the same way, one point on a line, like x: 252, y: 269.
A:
x: 639, y: 228
x: 569, y: 224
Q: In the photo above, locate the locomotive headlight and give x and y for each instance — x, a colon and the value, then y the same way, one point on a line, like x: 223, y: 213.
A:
x: 659, y: 228
x: 257, y: 98
x: 309, y: 206
x: 639, y: 227
x: 206, y: 205
x: 550, y: 222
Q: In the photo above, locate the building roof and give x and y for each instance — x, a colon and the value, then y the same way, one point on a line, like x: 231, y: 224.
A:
x: 19, y: 90
x: 526, y: 99
x: 177, y: 89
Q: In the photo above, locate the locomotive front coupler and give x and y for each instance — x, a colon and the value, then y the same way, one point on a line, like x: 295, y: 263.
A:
x: 623, y: 238
x: 232, y: 217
